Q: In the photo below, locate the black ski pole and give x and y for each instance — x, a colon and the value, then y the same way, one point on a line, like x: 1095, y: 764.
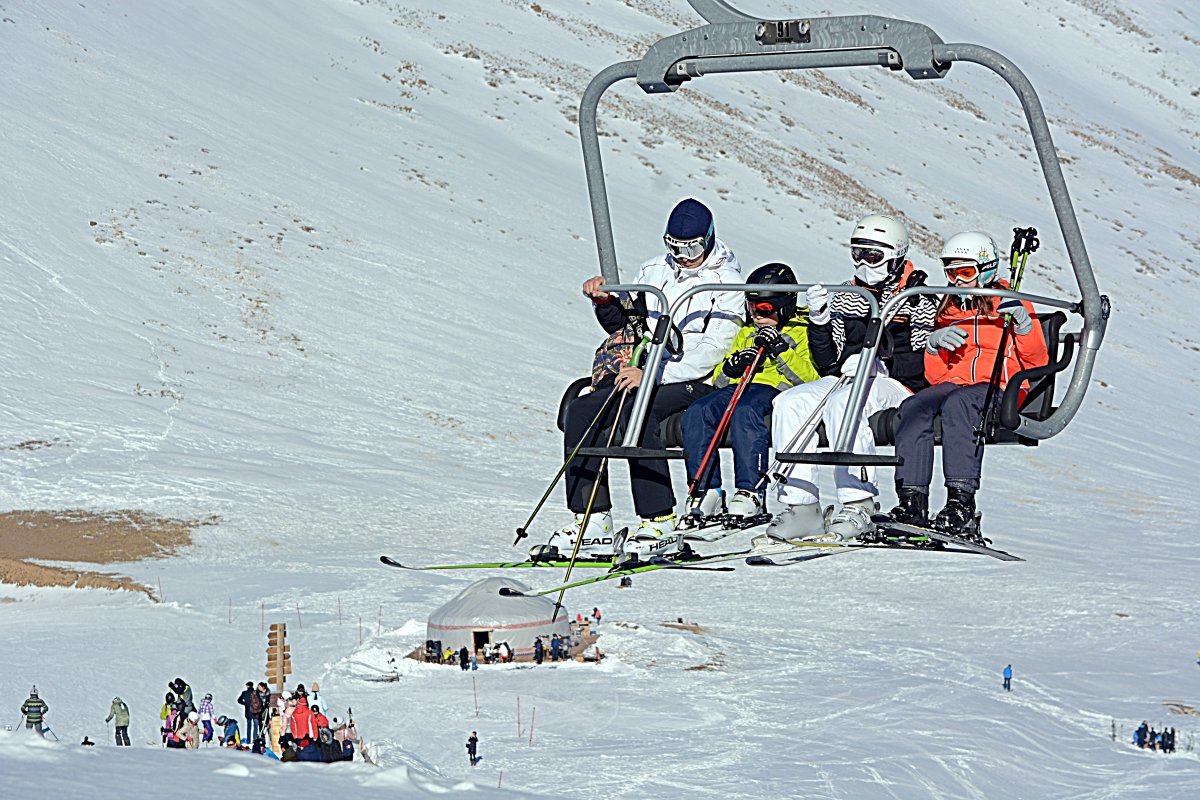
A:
x: 634, y: 358
x: 523, y: 531
x: 1025, y: 241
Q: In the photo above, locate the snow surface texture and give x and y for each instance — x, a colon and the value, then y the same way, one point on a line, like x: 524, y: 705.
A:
x: 314, y: 268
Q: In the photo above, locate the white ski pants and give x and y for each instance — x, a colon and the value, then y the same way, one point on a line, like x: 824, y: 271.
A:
x: 793, y: 407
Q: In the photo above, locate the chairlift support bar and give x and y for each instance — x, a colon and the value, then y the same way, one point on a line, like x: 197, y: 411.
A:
x: 735, y: 42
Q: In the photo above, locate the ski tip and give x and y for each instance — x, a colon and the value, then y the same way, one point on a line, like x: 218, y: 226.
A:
x: 508, y: 591
x: 391, y: 562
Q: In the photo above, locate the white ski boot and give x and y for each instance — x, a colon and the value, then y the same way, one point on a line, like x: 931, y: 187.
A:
x: 599, y: 537
x: 699, y: 510
x: 849, y: 522
x: 655, y: 538
x: 798, y: 522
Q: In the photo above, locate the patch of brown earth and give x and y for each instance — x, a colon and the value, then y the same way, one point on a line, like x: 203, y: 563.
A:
x: 94, y: 538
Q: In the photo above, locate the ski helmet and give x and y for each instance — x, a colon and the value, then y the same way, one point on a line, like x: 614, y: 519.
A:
x: 33, y: 692
x: 878, y: 245
x: 193, y: 716
x: 782, y: 302
x: 222, y: 720
x: 976, y: 247
x: 690, y: 232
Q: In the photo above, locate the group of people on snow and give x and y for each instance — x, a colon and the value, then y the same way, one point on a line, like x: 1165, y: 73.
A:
x: 799, y: 361
x: 1147, y: 738
x: 285, y: 725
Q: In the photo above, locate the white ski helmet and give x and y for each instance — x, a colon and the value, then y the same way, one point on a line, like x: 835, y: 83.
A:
x: 876, y: 236
x: 977, y: 247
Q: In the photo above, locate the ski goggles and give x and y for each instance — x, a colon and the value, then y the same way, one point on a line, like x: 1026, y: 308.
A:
x: 961, y: 272
x: 687, y: 249
x: 762, y: 308
x: 866, y: 255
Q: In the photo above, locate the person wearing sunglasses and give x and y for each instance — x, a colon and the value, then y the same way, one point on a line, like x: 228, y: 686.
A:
x: 960, y: 356
x: 707, y: 323
x: 837, y: 330
x: 774, y: 326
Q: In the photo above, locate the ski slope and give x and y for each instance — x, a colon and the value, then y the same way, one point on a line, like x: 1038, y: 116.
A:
x: 314, y: 269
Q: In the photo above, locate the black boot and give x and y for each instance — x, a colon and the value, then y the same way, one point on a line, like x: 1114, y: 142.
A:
x: 958, y: 516
x: 913, y: 508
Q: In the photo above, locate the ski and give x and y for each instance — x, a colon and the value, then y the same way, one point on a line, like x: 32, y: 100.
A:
x: 884, y: 526
x: 560, y: 563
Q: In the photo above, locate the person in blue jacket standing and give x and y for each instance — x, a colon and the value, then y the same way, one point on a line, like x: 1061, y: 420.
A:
x: 1008, y: 678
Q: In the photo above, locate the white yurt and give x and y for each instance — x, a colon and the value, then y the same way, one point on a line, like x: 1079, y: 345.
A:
x: 480, y: 616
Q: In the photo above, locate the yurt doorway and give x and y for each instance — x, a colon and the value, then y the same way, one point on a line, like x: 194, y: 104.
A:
x: 482, y: 640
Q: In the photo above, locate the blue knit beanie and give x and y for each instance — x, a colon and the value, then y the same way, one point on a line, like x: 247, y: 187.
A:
x: 690, y: 219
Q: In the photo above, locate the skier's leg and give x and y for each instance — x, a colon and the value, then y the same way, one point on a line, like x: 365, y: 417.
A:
x: 790, y: 410
x: 859, y: 483
x: 583, y: 470
x: 751, y: 436
x: 699, y: 424
x: 962, y: 459
x: 914, y: 437
x: 650, y: 478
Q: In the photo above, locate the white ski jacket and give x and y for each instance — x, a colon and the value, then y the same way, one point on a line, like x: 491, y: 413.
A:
x: 708, y: 321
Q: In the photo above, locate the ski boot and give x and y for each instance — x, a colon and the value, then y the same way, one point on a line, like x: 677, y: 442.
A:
x: 913, y: 509
x: 746, y: 510
x: 959, y: 518
x: 598, y: 537
x: 797, y: 522
x: 656, y: 538
x: 850, y: 522
x: 703, y: 510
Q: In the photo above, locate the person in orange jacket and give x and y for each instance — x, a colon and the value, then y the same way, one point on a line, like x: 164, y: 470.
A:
x: 304, y: 728
x: 960, y: 356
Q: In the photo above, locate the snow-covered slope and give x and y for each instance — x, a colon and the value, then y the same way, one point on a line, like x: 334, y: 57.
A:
x: 314, y: 268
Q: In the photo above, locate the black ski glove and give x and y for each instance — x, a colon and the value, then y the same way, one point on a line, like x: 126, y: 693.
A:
x: 771, y: 341
x: 736, y: 364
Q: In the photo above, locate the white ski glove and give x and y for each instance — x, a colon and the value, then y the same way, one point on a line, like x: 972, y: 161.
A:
x: 817, y: 299
x: 852, y: 364
x: 1022, y: 323
x: 948, y: 338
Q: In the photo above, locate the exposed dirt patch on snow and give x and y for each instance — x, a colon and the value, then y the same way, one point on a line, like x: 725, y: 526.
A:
x: 73, y: 535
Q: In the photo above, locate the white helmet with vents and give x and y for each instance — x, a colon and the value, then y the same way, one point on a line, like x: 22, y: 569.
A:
x: 878, y: 246
x: 976, y: 247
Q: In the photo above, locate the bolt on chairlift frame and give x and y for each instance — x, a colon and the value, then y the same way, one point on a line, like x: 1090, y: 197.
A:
x: 735, y: 42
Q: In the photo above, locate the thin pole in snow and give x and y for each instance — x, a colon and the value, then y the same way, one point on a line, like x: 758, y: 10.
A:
x: 230, y: 614
x: 299, y: 618
x: 532, y: 717
x: 501, y: 780
x: 360, y: 630
x: 518, y: 716
x: 161, y: 598
x: 379, y: 622
x: 339, y: 609
x: 475, y: 689
x: 262, y: 616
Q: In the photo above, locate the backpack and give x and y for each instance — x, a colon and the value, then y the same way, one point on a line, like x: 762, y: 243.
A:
x: 256, y: 705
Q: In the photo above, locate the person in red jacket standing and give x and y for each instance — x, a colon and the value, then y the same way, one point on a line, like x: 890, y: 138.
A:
x: 960, y: 356
x: 304, y: 726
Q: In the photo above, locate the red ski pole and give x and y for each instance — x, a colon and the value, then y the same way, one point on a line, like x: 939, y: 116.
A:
x: 724, y: 423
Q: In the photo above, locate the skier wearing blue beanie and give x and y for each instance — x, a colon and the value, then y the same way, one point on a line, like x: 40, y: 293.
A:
x: 708, y: 322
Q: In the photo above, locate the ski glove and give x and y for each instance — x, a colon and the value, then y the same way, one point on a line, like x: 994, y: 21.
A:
x: 817, y: 298
x: 771, y: 341
x: 850, y: 365
x: 736, y: 364
x: 948, y: 338
x: 1022, y: 323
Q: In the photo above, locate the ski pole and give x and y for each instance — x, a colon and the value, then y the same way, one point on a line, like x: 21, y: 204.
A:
x: 587, y: 513
x: 805, y: 432
x: 523, y: 531
x: 1025, y: 241
x: 699, y: 478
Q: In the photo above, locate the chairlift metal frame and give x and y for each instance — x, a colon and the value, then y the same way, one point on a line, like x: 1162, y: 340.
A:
x: 734, y: 42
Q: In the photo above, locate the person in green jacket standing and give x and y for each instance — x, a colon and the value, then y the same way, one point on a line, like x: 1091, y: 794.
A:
x: 119, y: 712
x: 776, y: 334
x: 35, y: 710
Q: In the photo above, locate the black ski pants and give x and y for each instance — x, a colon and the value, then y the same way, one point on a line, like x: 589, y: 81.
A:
x: 649, y: 478
x: 962, y: 458
x: 122, y: 736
